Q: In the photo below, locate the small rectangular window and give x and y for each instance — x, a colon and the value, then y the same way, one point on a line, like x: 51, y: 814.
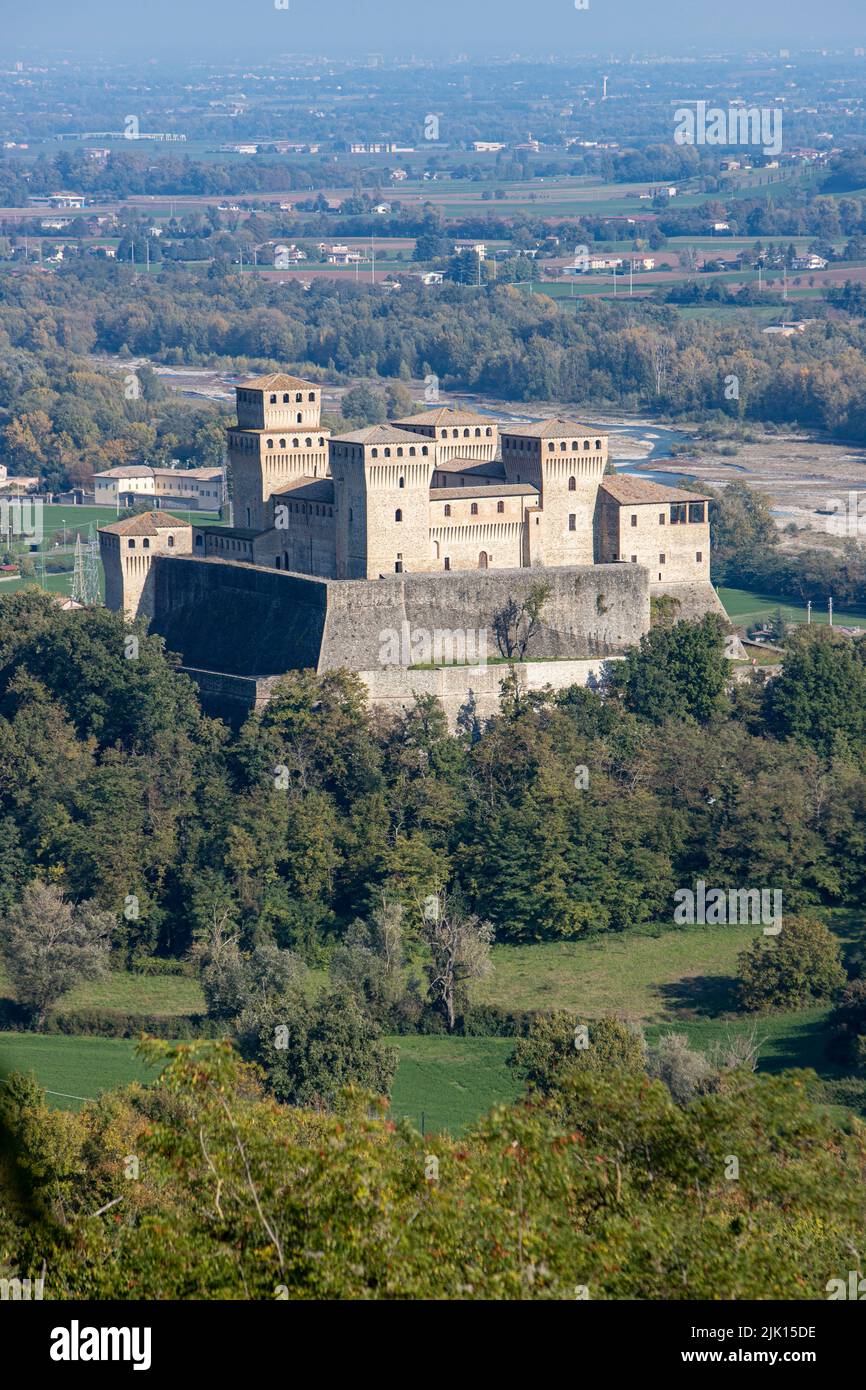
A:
x: 699, y: 555
x: 661, y: 518
x: 572, y: 522
x: 634, y: 518
x: 661, y: 559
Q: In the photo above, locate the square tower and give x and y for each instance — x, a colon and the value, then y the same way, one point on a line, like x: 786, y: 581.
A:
x: 461, y: 434
x: 382, y: 479
x: 566, y: 462
x: 278, y: 437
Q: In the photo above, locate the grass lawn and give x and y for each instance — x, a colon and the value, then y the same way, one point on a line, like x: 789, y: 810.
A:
x: 444, y: 1083
x: 169, y: 995
x: 73, y: 1070
x: 743, y: 606
x: 644, y: 978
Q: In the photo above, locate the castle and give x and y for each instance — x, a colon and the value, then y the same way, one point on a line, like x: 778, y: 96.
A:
x: 412, y: 506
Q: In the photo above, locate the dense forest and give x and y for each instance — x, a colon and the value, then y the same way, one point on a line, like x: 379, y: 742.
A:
x: 113, y: 785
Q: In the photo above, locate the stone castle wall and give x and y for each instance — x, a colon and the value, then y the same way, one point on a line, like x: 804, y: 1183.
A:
x: 251, y: 622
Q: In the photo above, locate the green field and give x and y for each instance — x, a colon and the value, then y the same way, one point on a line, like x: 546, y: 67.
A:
x: 744, y: 607
x: 441, y: 1083
x: 168, y: 995
x: 639, y: 977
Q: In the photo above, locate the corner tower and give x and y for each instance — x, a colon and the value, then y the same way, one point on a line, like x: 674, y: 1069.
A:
x: 382, y: 479
x: 127, y: 549
x: 277, y: 438
x: 566, y: 462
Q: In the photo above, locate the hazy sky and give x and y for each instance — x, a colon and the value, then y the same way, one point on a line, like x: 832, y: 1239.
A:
x: 223, y: 27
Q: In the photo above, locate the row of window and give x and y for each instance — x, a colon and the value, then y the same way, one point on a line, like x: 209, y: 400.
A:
x: 306, y: 509
x: 680, y: 512
x: 524, y: 444
x: 467, y: 434
x: 699, y: 555
x: 145, y: 544
x: 252, y: 397
x: 296, y: 443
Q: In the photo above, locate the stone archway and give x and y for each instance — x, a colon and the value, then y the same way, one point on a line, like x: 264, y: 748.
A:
x: 482, y: 560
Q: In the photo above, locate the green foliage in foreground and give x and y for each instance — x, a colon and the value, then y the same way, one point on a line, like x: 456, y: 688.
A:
x: 609, y: 1186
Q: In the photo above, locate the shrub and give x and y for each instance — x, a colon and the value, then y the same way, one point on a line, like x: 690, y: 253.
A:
x: 799, y: 966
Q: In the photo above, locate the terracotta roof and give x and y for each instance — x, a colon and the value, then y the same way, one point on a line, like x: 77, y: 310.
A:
x: 277, y: 381
x: 444, y: 494
x: 145, y: 524
x: 133, y: 470
x: 307, y: 490
x: 484, y: 468
x: 627, y: 489
x: 555, y: 428
x: 380, y: 434
x: 445, y: 415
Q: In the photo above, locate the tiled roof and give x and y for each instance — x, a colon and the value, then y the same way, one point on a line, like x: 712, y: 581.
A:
x: 145, y: 524
x: 445, y: 415
x: 133, y: 470
x: 307, y: 490
x: 555, y: 428
x: 484, y: 468
x: 379, y: 434
x: 277, y: 381
x: 626, y: 489
x: 444, y: 494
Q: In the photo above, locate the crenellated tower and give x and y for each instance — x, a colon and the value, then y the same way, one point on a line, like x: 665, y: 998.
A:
x: 277, y: 439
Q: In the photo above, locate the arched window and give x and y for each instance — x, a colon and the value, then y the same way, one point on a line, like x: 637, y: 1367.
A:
x: 474, y: 509
x: 387, y: 453
x: 374, y: 453
x: 398, y: 515
x: 488, y: 431
x: 171, y: 542
x: 424, y: 449
x: 400, y: 451
x: 447, y: 508
x: 402, y: 482
x: 551, y: 447
x: 574, y: 444
x: 270, y: 444
x: 273, y: 400
x: 482, y: 560
x: 294, y: 443
x: 572, y: 484
x: 563, y: 446
x: 455, y: 434
x: 466, y: 434
x: 586, y: 444
x: 411, y: 451
x: 300, y: 420
x: 598, y: 444
x: 282, y: 444
x: 285, y: 398
x: 312, y: 396
x: 145, y: 544
x: 500, y: 506
x: 309, y: 443
x: 478, y: 434
x: 299, y: 397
